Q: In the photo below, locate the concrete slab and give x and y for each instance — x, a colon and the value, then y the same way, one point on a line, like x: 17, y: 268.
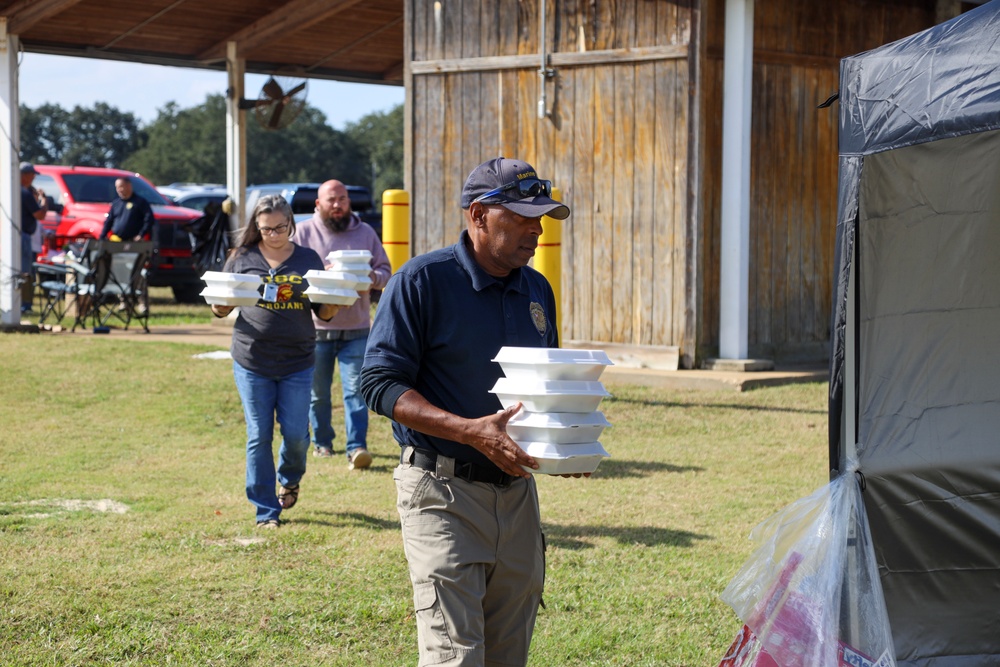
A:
x: 712, y: 380
x: 741, y: 365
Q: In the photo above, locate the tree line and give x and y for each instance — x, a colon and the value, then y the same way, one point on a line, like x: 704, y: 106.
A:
x: 189, y: 145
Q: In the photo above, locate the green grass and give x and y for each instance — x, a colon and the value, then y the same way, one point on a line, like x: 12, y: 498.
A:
x: 126, y: 538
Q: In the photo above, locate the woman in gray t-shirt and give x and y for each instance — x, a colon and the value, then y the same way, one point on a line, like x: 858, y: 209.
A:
x: 273, y: 345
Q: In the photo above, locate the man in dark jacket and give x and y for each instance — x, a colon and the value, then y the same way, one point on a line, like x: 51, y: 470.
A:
x: 130, y: 217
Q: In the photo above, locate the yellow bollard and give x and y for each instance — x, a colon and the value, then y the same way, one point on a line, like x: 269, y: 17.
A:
x: 396, y: 226
x: 548, y: 258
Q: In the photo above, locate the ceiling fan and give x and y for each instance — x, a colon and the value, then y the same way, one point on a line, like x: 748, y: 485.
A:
x: 279, y: 103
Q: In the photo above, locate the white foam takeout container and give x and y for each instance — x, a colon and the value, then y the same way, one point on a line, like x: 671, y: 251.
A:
x: 338, y: 280
x: 355, y: 268
x: 233, y: 280
x: 350, y: 256
x: 555, y: 459
x: 228, y: 296
x: 550, y: 395
x: 339, y: 297
x: 557, y: 427
x: 546, y: 363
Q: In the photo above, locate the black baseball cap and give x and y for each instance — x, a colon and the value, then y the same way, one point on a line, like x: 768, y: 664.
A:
x: 28, y: 168
x: 514, y: 185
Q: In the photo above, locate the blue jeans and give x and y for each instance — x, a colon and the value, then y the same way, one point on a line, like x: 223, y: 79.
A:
x: 27, y: 254
x: 264, y: 398
x: 350, y: 354
x: 27, y: 266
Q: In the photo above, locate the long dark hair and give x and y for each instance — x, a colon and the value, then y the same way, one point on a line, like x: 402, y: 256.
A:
x: 250, y: 235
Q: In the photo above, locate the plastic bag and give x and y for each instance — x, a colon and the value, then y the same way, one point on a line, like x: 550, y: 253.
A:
x: 210, y: 237
x: 810, y: 594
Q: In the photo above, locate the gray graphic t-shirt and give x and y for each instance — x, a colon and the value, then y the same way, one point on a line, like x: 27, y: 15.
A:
x: 276, y: 339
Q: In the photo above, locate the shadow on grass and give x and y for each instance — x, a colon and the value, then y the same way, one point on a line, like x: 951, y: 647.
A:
x: 719, y: 406
x: 564, y: 537
x: 352, y: 520
x: 575, y: 538
x: 621, y: 468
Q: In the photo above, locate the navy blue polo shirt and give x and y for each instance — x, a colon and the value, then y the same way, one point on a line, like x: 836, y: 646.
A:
x: 129, y: 218
x: 440, y: 322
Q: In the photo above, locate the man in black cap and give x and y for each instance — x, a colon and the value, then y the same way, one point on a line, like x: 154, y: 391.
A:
x: 131, y: 217
x: 33, y: 209
x: 468, y: 505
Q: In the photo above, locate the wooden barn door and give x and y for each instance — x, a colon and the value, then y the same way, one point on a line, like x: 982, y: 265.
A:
x: 614, y: 139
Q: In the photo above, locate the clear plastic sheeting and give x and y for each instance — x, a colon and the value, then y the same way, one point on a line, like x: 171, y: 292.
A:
x: 810, y: 593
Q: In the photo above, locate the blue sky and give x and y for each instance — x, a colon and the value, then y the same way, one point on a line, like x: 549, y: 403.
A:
x: 144, y: 89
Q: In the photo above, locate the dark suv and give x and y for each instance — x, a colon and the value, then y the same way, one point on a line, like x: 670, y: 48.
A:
x: 80, y: 198
x: 302, y: 198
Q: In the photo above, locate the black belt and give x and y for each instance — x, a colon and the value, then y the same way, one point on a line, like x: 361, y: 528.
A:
x: 470, y: 472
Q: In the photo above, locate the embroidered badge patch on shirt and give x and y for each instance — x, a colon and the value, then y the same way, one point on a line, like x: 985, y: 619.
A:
x: 538, y: 317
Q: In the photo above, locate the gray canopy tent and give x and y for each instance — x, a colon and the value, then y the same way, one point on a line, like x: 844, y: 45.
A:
x: 915, y: 369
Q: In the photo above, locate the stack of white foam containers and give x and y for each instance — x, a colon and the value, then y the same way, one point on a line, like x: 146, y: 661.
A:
x: 358, y: 262
x: 230, y: 289
x: 348, y: 273
x: 332, y: 287
x: 560, y: 392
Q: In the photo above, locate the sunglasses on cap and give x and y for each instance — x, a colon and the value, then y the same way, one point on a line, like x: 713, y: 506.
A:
x: 529, y: 187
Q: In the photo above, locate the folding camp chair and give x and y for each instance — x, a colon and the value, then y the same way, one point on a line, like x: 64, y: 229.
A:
x: 93, y: 272
x: 60, y: 285
x: 111, y: 283
x: 55, y: 291
x: 123, y: 293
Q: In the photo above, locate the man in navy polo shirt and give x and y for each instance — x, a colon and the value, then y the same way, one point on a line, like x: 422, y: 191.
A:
x: 468, y: 507
x: 131, y: 217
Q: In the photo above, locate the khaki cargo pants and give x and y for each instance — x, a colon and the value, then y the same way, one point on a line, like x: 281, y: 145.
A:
x: 477, y: 563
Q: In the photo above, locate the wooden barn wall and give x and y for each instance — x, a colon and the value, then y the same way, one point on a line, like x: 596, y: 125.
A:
x: 615, y: 142
x: 793, y: 189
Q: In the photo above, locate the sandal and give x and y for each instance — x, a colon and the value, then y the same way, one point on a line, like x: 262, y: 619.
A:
x: 268, y: 524
x: 288, y: 496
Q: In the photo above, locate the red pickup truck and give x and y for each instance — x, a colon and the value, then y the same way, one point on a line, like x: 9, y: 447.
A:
x: 80, y: 198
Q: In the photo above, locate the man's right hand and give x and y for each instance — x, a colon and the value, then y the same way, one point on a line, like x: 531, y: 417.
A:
x: 486, y: 434
x: 492, y: 440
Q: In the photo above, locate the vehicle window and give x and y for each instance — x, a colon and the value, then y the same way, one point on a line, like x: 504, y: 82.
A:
x: 48, y: 185
x: 361, y: 201
x: 146, y: 191
x: 94, y: 188
x: 304, y: 200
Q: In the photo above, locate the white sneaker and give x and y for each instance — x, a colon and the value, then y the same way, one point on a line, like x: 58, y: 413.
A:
x: 360, y: 458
